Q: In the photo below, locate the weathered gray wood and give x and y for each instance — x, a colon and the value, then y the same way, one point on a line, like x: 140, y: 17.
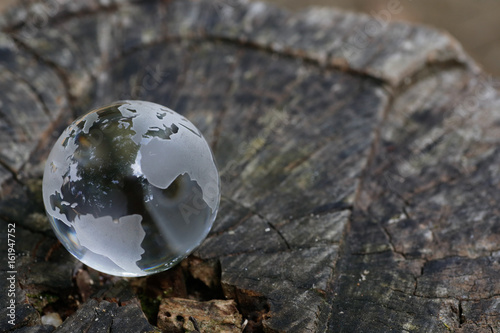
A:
x: 360, y: 170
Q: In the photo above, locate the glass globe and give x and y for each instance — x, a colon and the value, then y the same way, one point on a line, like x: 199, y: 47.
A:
x: 131, y: 188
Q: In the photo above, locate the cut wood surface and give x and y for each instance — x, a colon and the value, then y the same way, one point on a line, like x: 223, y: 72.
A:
x: 360, y: 167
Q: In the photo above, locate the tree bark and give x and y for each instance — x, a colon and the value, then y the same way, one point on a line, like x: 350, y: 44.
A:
x: 360, y: 166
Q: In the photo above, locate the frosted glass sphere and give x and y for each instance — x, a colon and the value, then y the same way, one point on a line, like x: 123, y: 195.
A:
x: 131, y: 188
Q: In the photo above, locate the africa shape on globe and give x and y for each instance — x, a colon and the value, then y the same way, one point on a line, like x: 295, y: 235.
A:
x: 131, y: 189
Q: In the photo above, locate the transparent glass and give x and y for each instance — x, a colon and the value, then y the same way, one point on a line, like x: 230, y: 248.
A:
x: 131, y: 188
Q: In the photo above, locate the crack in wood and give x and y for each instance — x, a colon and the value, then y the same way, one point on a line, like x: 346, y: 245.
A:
x: 12, y: 172
x: 279, y: 233
x: 60, y: 72
x: 35, y: 92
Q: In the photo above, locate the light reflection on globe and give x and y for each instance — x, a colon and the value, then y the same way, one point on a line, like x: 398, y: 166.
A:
x: 131, y: 188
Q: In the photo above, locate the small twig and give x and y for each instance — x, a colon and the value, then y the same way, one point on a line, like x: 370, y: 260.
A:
x: 245, y: 323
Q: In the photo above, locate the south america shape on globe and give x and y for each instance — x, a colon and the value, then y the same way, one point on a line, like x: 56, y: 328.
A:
x: 131, y: 189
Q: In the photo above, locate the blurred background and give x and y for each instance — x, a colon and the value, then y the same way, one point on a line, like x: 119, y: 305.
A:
x: 475, y: 24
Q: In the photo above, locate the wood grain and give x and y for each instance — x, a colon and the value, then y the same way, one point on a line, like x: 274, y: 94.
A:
x: 359, y: 167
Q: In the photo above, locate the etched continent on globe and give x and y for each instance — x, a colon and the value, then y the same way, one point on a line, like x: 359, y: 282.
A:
x: 131, y: 189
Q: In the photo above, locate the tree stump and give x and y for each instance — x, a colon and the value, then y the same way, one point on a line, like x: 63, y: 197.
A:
x: 359, y: 160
